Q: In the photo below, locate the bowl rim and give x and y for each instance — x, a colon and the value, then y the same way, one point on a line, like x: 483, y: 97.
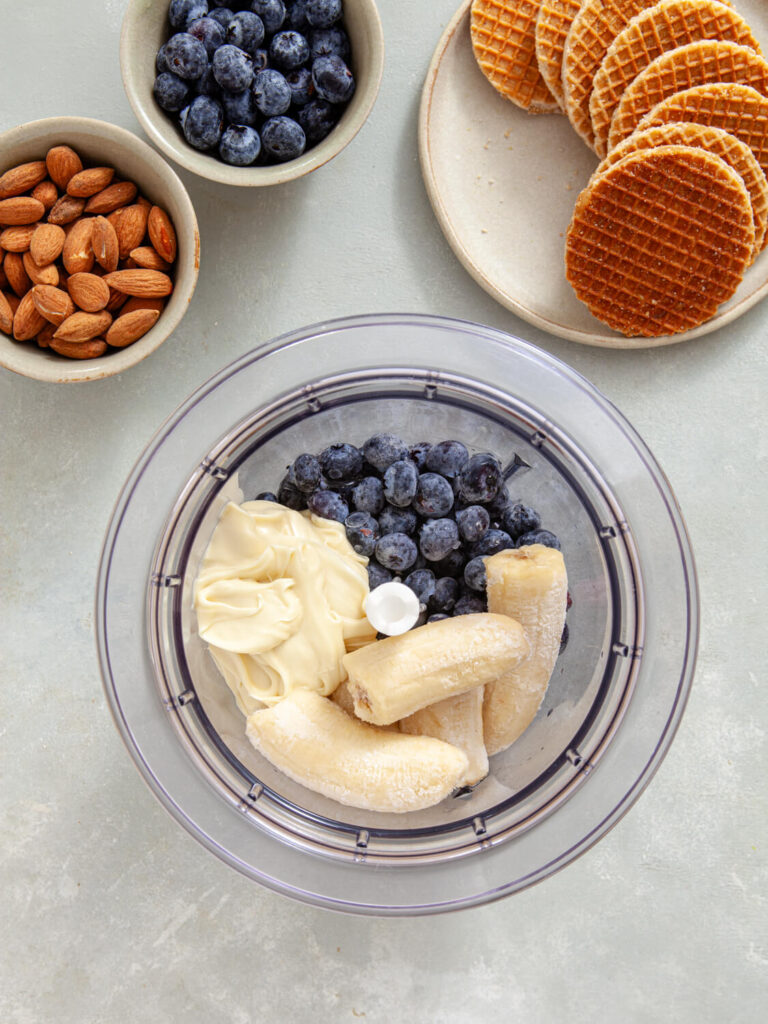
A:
x: 25, y: 361
x: 201, y: 163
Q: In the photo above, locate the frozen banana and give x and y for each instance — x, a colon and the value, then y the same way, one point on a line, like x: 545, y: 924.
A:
x: 529, y: 584
x: 457, y: 720
x: 314, y: 742
x: 392, y: 678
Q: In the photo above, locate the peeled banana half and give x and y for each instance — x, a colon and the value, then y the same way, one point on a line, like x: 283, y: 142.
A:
x: 457, y: 720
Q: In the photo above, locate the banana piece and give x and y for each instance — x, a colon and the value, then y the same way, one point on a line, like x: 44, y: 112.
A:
x: 314, y: 742
x: 457, y: 720
x: 529, y: 584
x: 345, y: 701
x: 392, y: 678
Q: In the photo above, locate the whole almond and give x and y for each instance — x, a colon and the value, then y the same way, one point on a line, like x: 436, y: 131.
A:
x: 112, y: 198
x: 90, y: 181
x: 145, y: 256
x: 63, y: 163
x: 18, y: 279
x: 83, y: 326
x: 46, y: 243
x: 48, y: 274
x: 77, y: 254
x: 20, y: 210
x: 17, y: 239
x: 79, y: 350
x: 44, y: 337
x: 104, y: 243
x: 162, y: 234
x: 117, y: 300
x: 136, y: 302
x: 89, y: 292
x: 46, y: 192
x: 129, y: 327
x: 151, y: 284
x: 130, y: 224
x: 52, y: 303
x: 27, y: 322
x: 22, y: 178
x: 66, y: 210
x: 6, y: 315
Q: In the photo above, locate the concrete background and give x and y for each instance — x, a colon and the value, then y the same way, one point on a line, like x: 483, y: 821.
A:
x: 109, y: 911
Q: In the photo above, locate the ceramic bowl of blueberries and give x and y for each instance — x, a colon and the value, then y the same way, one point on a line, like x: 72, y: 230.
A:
x: 352, y: 420
x: 251, y: 92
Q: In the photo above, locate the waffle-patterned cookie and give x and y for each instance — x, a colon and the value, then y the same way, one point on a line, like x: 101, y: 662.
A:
x: 684, y: 68
x: 739, y: 109
x: 504, y: 42
x: 659, y: 240
x: 651, y: 33
x: 552, y: 26
x: 715, y: 140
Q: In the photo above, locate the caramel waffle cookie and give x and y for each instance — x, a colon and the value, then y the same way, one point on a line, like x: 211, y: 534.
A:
x: 504, y: 43
x: 650, y: 34
x: 552, y: 26
x: 659, y: 240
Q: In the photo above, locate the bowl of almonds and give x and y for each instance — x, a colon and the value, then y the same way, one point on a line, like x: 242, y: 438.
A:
x: 99, y: 249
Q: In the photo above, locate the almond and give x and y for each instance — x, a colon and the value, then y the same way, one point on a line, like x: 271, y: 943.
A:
x: 151, y: 284
x: 17, y: 239
x: 45, y: 336
x: 112, y: 198
x: 22, y: 178
x: 66, y: 210
x: 104, y: 244
x: 27, y: 322
x: 18, y: 279
x: 77, y: 254
x: 162, y: 234
x: 79, y: 350
x: 117, y: 300
x: 145, y: 256
x: 13, y: 301
x: 52, y: 303
x: 83, y: 326
x: 20, y: 210
x: 63, y: 163
x: 89, y: 292
x: 46, y: 192
x: 48, y: 274
x: 89, y: 182
x: 46, y: 243
x: 6, y: 315
x: 139, y: 303
x: 129, y: 327
x: 130, y: 224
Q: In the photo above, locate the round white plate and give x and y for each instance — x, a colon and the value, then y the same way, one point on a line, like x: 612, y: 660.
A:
x: 503, y: 185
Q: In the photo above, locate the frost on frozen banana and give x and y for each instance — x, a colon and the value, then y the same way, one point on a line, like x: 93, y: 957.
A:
x: 315, y: 743
x: 459, y: 721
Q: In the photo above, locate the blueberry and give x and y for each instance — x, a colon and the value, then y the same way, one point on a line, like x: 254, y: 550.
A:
x: 333, y: 80
x: 328, y: 505
x: 185, y: 56
x: 206, y: 85
x: 490, y: 543
x: 232, y: 68
x: 283, y: 139
x: 326, y: 42
x: 451, y: 565
x: 473, y: 522
x: 362, y: 532
x: 447, y: 458
x: 240, y: 109
x: 400, y: 480
x: 260, y: 60
x: 266, y: 496
x: 271, y: 12
x: 240, y: 145
x: 446, y: 594
x: 564, y: 638
x: 544, y: 537
x: 317, y: 119
x: 161, y: 61
x: 341, y: 461
x: 346, y: 488
x: 499, y: 503
x: 397, y: 520
x: 368, y: 495
x: 474, y: 573
x: 437, y: 538
x: 302, y: 89
x: 291, y: 496
x: 519, y: 519
x: 246, y: 31
x: 305, y: 473
x: 382, y: 450
x: 171, y: 92
x: 223, y: 16
x: 209, y: 32
x: 323, y: 13
x: 437, y: 617
x: 434, y: 496
x: 297, y: 15
x: 203, y: 122
x: 418, y: 453
x: 468, y: 605
x: 377, y: 575
x: 422, y: 583
x: 480, y: 478
x: 396, y: 551
x: 289, y: 50
x: 181, y: 12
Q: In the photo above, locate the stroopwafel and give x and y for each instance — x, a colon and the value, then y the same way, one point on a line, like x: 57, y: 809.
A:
x: 552, y: 25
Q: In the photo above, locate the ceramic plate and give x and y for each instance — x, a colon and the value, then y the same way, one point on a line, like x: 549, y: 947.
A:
x: 503, y: 185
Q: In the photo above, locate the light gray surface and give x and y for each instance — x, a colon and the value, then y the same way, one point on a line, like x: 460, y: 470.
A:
x: 109, y: 911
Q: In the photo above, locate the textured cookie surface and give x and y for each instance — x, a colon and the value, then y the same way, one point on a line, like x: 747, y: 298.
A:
x: 552, y: 27
x: 504, y: 43
x: 651, y: 33
x: 659, y: 240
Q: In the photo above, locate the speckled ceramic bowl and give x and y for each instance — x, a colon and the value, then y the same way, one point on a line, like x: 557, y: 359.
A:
x: 103, y: 143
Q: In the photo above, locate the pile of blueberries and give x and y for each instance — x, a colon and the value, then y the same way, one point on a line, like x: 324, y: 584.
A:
x: 424, y: 514
x: 257, y: 82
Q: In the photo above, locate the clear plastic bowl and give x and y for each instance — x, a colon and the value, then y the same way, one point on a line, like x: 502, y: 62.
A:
x: 619, y: 687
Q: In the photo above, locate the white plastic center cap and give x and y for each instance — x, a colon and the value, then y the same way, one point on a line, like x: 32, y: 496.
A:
x: 392, y: 608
